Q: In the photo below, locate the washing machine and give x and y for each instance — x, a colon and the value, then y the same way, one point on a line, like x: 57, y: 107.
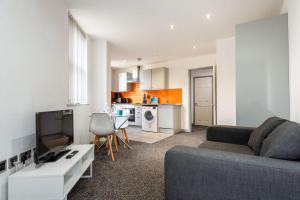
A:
x: 149, y: 118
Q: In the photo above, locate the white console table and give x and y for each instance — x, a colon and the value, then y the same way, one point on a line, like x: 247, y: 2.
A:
x: 51, y: 181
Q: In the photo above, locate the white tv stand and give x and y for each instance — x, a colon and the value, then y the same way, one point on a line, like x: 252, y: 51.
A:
x: 51, y: 181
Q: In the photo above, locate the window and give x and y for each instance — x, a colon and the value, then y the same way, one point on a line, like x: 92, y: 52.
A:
x: 77, y: 64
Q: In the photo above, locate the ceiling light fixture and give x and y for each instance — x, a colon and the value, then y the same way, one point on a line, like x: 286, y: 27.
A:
x: 194, y: 47
x: 208, y: 16
x: 172, y: 26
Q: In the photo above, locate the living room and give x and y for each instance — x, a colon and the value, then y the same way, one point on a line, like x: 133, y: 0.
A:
x: 61, y: 57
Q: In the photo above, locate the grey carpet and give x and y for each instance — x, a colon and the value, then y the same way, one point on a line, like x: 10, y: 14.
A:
x: 136, y: 174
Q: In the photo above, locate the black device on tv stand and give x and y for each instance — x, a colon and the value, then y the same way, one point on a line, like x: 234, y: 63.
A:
x: 72, y: 154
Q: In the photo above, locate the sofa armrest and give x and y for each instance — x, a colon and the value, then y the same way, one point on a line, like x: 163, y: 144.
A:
x: 229, y: 134
x: 192, y: 173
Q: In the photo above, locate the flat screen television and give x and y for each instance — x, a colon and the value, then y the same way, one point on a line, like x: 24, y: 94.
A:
x: 54, y: 132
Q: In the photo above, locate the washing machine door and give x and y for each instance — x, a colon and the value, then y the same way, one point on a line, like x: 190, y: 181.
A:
x: 148, y: 116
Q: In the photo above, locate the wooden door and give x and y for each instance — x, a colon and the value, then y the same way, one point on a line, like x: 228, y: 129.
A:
x: 203, y: 101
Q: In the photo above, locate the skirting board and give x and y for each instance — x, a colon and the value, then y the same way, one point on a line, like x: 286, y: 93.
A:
x: 185, y: 131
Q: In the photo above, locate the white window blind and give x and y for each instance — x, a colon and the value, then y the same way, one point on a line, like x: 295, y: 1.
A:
x: 77, y: 64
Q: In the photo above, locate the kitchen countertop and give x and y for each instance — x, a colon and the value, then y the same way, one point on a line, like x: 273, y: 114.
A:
x: 170, y: 104
x: 159, y: 104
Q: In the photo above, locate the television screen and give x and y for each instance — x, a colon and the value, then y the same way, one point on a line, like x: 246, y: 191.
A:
x: 54, y: 131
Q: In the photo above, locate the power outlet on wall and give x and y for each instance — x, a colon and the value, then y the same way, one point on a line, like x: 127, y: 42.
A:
x: 2, y: 166
x: 25, y: 156
x: 11, y: 162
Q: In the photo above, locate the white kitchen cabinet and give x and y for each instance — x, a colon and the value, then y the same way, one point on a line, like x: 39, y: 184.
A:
x: 138, y: 115
x: 145, y: 79
x: 154, y: 79
x: 115, y: 81
x: 169, y: 118
x: 159, y: 78
x: 124, y: 86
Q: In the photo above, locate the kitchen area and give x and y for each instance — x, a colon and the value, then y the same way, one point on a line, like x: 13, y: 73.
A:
x: 145, y: 95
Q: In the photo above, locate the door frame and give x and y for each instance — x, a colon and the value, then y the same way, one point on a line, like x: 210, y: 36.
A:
x: 212, y: 94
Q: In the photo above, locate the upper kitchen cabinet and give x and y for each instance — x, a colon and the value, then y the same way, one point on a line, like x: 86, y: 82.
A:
x: 114, y: 80
x: 124, y: 86
x: 159, y: 78
x: 154, y: 79
x: 145, y: 79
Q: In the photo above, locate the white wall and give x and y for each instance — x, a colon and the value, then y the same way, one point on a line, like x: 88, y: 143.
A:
x: 34, y: 73
x: 179, y: 78
x: 294, y: 58
x: 284, y: 8
x: 101, y: 74
x: 226, y: 84
x: 34, y: 70
x: 262, y: 68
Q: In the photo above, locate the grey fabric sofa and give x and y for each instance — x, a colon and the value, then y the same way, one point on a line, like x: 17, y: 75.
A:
x: 225, y: 168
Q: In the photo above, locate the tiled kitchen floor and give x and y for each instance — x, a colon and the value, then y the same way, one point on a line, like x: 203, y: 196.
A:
x: 136, y: 134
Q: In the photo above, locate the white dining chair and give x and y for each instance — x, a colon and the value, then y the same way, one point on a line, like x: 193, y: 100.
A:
x: 101, y: 125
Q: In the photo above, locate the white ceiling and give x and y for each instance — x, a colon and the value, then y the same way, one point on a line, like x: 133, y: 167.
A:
x: 140, y: 28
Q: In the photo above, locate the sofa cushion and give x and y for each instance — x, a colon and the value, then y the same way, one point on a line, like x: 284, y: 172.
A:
x: 235, y: 148
x: 283, y: 142
x: 259, y: 134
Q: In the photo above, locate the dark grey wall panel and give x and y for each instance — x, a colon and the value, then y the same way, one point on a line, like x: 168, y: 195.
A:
x: 262, y: 70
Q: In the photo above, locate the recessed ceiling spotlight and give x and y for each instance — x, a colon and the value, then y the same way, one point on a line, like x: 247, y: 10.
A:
x: 208, y: 16
x: 171, y: 26
x: 194, y: 47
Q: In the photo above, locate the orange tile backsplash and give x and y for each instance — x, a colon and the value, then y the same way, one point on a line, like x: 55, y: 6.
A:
x: 172, y: 96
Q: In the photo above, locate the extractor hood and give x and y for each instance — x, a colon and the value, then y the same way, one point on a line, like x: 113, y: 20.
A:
x: 135, y: 79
